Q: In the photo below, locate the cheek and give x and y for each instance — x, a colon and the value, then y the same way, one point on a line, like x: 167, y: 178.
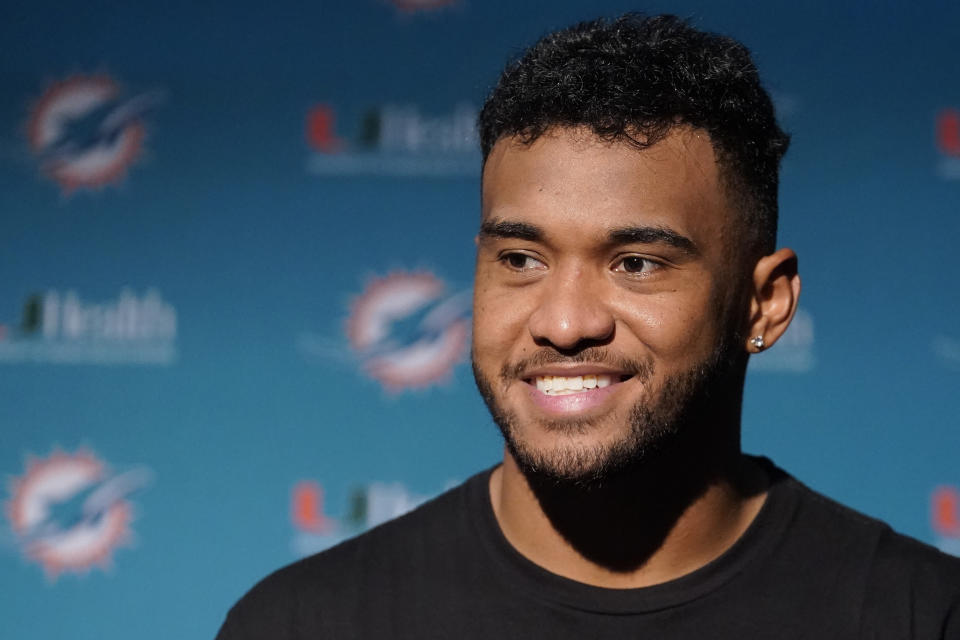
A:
x: 498, y: 322
x: 673, y: 327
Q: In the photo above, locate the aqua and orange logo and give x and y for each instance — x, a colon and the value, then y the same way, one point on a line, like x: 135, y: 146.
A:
x: 407, y: 331
x: 86, y: 133
x: 68, y: 512
x: 945, y: 518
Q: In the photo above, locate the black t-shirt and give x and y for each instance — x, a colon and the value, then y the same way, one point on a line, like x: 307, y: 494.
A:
x: 806, y: 567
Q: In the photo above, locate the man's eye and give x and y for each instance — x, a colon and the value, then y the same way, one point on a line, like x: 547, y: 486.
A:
x: 521, y: 261
x: 635, y: 264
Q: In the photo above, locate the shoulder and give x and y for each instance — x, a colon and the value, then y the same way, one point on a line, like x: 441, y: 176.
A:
x: 833, y: 518
x: 305, y: 594
x: 913, y: 590
x: 902, y: 587
x: 888, y: 552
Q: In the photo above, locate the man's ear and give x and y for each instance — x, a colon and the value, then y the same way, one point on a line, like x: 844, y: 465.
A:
x: 773, y: 301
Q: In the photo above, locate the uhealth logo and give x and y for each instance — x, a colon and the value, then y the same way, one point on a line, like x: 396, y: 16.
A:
x: 367, y: 507
x: 948, y: 143
x: 945, y: 518
x: 407, y: 331
x: 397, y: 140
x: 86, y: 133
x: 61, y: 327
x: 68, y: 512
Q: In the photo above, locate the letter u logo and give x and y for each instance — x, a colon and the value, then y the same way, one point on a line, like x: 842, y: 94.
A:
x: 307, y: 508
x: 948, y: 131
x: 945, y: 511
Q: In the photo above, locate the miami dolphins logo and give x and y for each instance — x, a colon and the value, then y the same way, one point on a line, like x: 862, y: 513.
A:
x: 407, y: 331
x: 69, y: 513
x: 85, y: 133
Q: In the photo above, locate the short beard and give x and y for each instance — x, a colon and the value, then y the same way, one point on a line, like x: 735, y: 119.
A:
x: 674, y: 422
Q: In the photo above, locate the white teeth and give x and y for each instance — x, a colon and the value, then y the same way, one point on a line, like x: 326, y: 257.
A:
x: 562, y: 385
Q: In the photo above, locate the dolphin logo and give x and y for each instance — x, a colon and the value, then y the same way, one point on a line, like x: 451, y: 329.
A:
x: 407, y: 331
x: 85, y: 134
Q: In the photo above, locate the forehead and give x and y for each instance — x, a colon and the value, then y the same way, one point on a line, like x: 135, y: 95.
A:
x: 570, y: 180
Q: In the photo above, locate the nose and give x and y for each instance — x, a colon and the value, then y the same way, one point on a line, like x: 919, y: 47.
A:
x: 571, y: 313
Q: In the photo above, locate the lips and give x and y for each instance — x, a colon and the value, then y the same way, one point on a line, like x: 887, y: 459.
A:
x: 564, y: 385
x: 569, y: 392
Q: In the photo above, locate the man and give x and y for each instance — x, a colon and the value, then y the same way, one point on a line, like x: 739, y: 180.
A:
x: 626, y: 268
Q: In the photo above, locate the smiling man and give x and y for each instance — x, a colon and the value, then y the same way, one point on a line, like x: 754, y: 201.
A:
x: 614, y: 290
x: 626, y: 271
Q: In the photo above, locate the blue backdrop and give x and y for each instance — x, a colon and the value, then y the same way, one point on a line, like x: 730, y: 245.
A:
x: 236, y: 261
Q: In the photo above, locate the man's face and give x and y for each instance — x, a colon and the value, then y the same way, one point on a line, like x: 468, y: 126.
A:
x: 605, y: 294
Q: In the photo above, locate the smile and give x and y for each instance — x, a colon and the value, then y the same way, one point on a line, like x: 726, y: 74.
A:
x: 554, y: 385
x: 563, y: 385
x: 572, y: 395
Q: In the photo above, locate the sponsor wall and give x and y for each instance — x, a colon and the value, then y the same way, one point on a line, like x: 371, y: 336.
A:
x: 236, y: 268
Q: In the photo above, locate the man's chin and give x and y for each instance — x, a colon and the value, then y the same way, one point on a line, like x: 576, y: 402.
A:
x: 572, y: 461
x: 573, y: 452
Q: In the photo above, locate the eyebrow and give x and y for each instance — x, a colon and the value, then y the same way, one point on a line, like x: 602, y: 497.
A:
x: 519, y: 230
x: 622, y: 235
x: 654, y: 235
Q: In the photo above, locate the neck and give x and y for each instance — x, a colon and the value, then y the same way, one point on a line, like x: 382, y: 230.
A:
x: 648, y: 525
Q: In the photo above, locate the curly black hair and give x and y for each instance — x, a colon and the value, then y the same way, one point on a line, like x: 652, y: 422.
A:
x: 634, y: 79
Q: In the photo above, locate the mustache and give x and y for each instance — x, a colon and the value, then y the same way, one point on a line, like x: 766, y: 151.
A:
x: 640, y: 368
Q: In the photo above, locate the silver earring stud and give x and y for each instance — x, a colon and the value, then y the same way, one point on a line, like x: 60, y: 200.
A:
x: 758, y: 343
